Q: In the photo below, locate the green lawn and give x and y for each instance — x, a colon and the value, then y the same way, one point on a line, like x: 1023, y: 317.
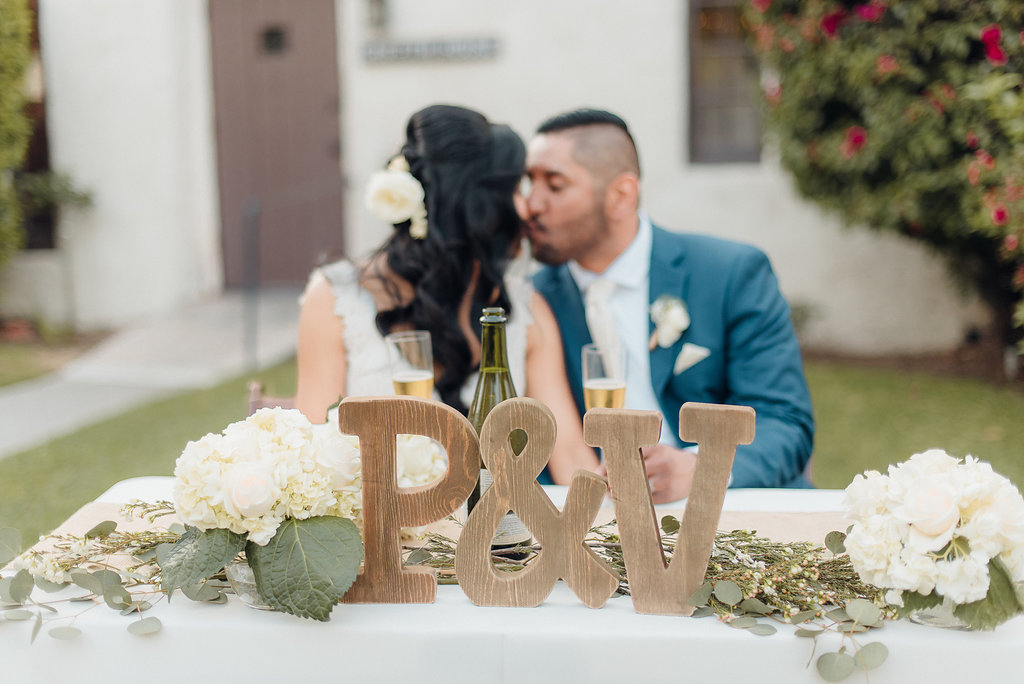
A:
x: 866, y: 418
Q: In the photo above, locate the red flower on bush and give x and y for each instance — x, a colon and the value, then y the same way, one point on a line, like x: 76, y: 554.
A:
x: 1011, y: 242
x: 773, y: 93
x: 856, y: 138
x: 872, y: 11
x: 886, y: 64
x: 991, y: 36
x: 1000, y: 215
x: 761, y: 5
x: 972, y: 140
x: 973, y: 172
x: 1018, y: 277
x: 831, y: 22
x: 986, y: 159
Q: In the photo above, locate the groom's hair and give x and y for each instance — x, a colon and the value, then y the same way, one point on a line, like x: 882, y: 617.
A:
x: 602, y: 141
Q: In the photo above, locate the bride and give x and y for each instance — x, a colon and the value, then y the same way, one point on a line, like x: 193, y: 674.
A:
x: 453, y: 251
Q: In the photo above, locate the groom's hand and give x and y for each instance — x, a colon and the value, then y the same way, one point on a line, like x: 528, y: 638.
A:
x: 669, y: 471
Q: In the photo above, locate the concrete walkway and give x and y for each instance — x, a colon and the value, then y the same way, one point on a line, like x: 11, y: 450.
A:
x: 194, y: 348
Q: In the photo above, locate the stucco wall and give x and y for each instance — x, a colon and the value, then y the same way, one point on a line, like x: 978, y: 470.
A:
x: 130, y: 119
x: 865, y: 293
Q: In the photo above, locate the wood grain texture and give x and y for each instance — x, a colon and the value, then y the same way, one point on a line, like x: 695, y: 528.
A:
x: 560, y: 534
x: 386, y: 506
x: 658, y: 587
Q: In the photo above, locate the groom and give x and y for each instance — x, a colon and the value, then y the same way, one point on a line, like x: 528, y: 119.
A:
x: 719, y: 330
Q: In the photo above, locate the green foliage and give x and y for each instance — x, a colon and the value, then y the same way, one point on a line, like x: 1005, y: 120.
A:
x: 308, y: 565
x: 15, y: 27
x: 196, y: 556
x: 906, y: 116
x: 1000, y: 604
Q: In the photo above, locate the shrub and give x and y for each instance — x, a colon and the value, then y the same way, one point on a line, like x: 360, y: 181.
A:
x: 15, y: 27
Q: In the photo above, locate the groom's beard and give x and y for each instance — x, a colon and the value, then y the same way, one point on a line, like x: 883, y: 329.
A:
x: 571, y: 241
x: 543, y: 252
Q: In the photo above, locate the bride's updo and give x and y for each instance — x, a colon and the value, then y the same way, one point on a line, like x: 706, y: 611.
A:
x: 469, y: 169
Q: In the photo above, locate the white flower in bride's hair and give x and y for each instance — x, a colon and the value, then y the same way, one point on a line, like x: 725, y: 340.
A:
x: 670, y: 319
x: 395, y: 196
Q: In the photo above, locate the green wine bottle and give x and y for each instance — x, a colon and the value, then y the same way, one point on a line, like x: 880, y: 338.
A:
x: 493, y: 387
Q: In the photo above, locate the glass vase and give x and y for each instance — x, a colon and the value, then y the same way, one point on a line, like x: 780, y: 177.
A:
x: 939, y: 616
x: 243, y: 582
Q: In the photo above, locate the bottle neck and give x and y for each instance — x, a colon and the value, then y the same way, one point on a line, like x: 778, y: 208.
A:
x: 493, y: 353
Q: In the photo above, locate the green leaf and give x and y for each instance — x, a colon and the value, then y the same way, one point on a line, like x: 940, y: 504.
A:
x: 834, y: 667
x: 101, y: 529
x: 418, y: 557
x: 65, y: 633
x: 10, y: 545
x: 669, y: 524
x: 196, y: 556
x: 753, y: 605
x: 117, y: 597
x: 743, y: 622
x: 203, y: 592
x: 308, y: 565
x: 871, y: 655
x: 835, y: 542
x: 703, y: 611
x: 145, y: 626
x: 728, y: 592
x: 18, y: 615
x: 86, y: 580
x: 809, y: 632
x: 838, y: 615
x: 864, y: 612
x: 913, y: 600
x: 763, y: 629
x: 21, y: 586
x: 803, y: 616
x: 48, y: 586
x: 701, y: 596
x: 37, y: 625
x: 1000, y: 603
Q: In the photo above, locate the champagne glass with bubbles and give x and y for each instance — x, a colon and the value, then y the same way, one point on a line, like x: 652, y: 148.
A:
x: 604, y: 376
x: 412, y: 363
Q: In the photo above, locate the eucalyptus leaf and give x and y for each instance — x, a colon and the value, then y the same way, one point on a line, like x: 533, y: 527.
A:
x: 1000, y: 603
x: 803, y: 616
x: 743, y: 622
x: 37, y: 625
x: 418, y: 557
x: 21, y: 586
x: 864, y: 612
x: 10, y: 545
x: 146, y: 556
x: 703, y: 611
x: 102, y: 529
x: 137, y: 607
x: 196, y: 556
x: 176, y: 528
x: 838, y: 615
x: 5, y: 591
x: 701, y: 596
x: 48, y: 586
x: 669, y: 524
x: 65, y: 633
x: 728, y: 592
x: 18, y: 615
x: 308, y: 565
x: 117, y: 597
x: 202, y: 592
x: 871, y: 655
x: 851, y: 628
x: 834, y: 667
x: 835, y: 542
x: 145, y: 626
x: 86, y: 580
x: 763, y: 629
x: 812, y: 632
x: 753, y: 605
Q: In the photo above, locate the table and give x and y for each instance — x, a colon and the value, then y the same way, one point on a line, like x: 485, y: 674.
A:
x: 454, y: 641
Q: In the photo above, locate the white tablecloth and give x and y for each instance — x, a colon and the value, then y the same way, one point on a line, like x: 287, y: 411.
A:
x: 453, y: 641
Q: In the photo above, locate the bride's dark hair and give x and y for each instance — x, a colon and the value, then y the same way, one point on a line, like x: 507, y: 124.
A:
x: 469, y: 169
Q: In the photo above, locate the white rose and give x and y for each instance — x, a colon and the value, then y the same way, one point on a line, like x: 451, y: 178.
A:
x: 249, y: 490
x: 932, y: 509
x: 337, y: 455
x: 394, y: 196
x: 420, y: 460
x: 670, y: 319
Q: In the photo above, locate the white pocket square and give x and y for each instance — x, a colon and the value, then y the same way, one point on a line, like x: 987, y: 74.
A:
x: 689, y: 355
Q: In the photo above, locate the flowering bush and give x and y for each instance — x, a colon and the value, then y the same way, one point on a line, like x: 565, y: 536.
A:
x: 905, y: 115
x: 936, y: 527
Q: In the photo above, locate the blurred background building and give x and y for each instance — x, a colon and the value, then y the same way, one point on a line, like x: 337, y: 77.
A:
x: 226, y: 143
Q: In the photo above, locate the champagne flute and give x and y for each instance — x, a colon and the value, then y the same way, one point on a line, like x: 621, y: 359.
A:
x: 412, y: 363
x: 604, y: 376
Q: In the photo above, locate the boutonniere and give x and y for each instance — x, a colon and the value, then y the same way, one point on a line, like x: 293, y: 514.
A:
x: 670, y: 320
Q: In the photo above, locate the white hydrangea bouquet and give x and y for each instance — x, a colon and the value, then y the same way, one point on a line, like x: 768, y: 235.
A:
x: 288, y: 493
x: 936, y: 529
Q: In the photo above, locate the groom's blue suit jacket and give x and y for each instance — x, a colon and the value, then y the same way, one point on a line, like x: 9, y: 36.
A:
x: 736, y: 311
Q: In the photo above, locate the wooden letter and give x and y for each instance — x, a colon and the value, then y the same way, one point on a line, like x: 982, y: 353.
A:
x: 386, y: 506
x: 563, y: 552
x: 658, y: 587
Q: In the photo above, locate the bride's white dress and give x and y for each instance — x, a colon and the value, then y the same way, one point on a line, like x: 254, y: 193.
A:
x: 365, y: 349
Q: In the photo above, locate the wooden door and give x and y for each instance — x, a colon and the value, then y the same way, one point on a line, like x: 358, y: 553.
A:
x: 276, y: 100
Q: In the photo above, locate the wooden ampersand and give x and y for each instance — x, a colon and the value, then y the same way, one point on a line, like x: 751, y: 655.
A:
x: 386, y: 506
x: 515, y: 488
x: 658, y: 587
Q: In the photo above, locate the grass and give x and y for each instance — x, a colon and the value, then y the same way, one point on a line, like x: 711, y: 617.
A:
x: 866, y: 419
x: 21, y: 362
